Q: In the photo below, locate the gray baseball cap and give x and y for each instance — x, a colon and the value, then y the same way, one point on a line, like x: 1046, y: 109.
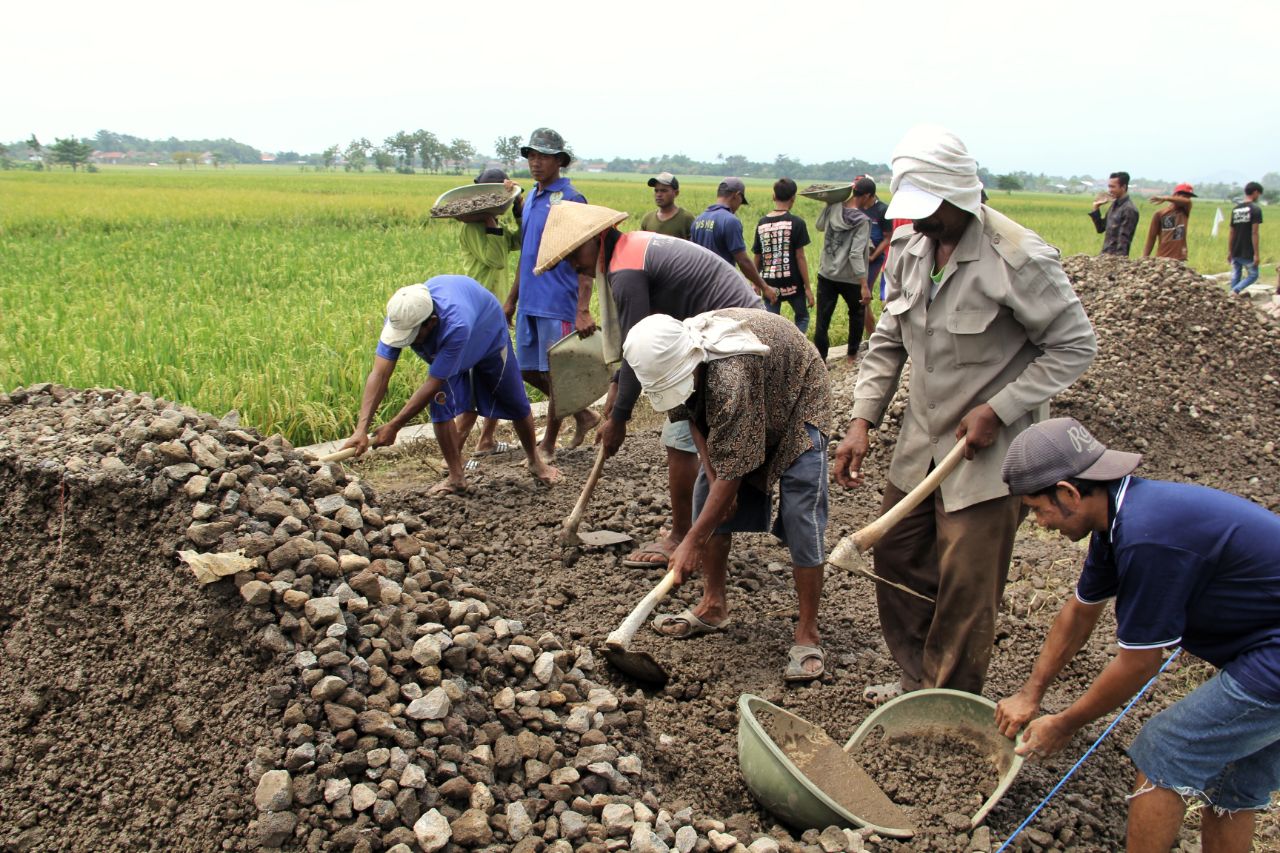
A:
x: 733, y: 185
x: 1057, y: 449
x: 667, y: 179
x: 544, y: 140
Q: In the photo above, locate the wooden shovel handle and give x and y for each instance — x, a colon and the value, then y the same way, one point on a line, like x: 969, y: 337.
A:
x: 339, y: 455
x: 575, y: 518
x: 621, y: 638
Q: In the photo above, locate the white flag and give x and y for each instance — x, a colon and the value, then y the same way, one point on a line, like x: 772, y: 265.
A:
x: 1218, y: 219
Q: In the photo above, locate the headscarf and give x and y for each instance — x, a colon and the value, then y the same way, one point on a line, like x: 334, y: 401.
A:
x: 935, y: 160
x: 664, y: 352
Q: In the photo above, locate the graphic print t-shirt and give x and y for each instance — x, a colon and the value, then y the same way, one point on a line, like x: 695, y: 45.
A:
x: 779, y: 240
x: 1243, y: 217
x: 1172, y: 222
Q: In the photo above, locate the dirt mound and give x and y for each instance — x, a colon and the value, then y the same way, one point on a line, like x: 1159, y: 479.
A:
x: 1185, y: 374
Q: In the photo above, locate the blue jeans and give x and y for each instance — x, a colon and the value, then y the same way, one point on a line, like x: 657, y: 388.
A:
x: 1220, y: 743
x: 1238, y: 266
x: 798, y: 304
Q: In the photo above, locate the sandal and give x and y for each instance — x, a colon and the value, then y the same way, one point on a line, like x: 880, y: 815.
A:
x: 654, y: 547
x: 878, y: 694
x: 695, y: 625
x: 795, y: 671
x: 444, y: 487
x: 499, y: 449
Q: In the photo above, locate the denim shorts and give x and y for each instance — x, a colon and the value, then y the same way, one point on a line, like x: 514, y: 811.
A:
x: 1220, y: 744
x: 534, y: 336
x: 678, y: 436
x: 802, y: 505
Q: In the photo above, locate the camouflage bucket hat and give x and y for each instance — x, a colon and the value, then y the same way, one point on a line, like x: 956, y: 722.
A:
x: 544, y: 140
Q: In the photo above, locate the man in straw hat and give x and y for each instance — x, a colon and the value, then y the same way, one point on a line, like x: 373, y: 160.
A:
x: 556, y: 302
x: 644, y: 273
x: 454, y: 324
x: 993, y: 329
x: 758, y: 398
x: 1187, y: 566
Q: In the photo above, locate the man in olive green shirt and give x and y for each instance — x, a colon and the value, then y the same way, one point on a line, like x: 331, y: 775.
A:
x: 668, y: 219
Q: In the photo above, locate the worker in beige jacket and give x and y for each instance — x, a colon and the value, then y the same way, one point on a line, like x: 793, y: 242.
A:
x: 987, y: 316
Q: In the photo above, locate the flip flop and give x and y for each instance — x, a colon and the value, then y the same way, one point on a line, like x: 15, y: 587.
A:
x: 471, y: 465
x: 795, y: 673
x: 654, y: 547
x: 444, y: 487
x: 499, y: 449
x: 878, y: 694
x: 696, y: 625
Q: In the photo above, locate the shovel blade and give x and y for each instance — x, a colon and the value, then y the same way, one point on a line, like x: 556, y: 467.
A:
x: 638, y: 666
x: 601, y: 538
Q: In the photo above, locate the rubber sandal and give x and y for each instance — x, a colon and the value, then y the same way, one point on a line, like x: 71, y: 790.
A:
x: 444, y: 487
x: 878, y: 694
x: 500, y: 449
x: 654, y: 547
x: 471, y: 465
x: 696, y: 625
x: 798, y: 654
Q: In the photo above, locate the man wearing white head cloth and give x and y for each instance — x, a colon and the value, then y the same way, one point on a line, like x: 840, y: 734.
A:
x: 985, y: 313
x: 759, y: 405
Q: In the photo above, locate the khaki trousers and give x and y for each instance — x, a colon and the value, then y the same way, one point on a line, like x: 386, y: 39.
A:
x: 961, y: 560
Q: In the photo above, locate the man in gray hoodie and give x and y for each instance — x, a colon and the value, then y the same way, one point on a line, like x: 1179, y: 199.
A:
x: 842, y: 271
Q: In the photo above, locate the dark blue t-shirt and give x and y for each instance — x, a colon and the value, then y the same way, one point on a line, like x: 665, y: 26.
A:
x: 1196, y: 567
x: 553, y: 294
x: 471, y: 327
x: 718, y: 229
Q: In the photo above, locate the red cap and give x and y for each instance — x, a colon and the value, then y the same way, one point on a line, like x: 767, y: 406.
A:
x: 1185, y: 189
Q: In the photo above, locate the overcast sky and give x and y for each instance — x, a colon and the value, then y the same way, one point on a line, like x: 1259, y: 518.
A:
x: 1176, y: 90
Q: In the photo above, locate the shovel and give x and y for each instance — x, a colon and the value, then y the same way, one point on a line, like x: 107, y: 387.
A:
x: 639, y: 665
x: 569, y: 535
x: 849, y: 554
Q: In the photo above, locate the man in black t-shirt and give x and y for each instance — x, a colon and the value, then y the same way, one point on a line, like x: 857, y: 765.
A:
x: 779, y: 249
x: 1243, y: 254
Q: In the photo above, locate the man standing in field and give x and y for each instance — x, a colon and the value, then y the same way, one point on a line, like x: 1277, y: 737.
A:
x: 987, y: 316
x: 1187, y: 566
x: 1169, y: 225
x: 454, y: 324
x: 842, y: 271
x: 779, y: 254
x: 1244, y: 254
x: 759, y: 403
x: 1122, y: 217
x: 718, y: 228
x: 558, y: 302
x: 864, y: 196
x: 668, y: 219
x: 642, y: 273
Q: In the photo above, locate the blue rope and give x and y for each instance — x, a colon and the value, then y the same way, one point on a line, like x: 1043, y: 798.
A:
x: 1088, y: 752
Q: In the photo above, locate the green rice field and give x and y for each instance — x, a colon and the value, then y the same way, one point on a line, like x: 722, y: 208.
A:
x: 261, y: 288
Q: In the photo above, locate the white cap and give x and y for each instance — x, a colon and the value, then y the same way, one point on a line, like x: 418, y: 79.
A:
x: 911, y: 202
x: 407, y: 310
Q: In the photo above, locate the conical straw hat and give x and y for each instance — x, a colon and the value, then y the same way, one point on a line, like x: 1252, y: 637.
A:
x: 569, y: 225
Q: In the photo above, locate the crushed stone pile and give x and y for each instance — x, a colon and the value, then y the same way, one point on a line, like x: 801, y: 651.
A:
x: 349, y: 691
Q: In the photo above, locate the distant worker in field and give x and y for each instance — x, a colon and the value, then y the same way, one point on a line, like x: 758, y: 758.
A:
x: 864, y: 195
x: 759, y: 404
x: 718, y: 228
x: 1187, y: 566
x: 550, y: 306
x: 486, y: 240
x: 455, y: 325
x: 1243, y: 253
x: 984, y: 311
x: 779, y: 254
x: 842, y: 272
x: 668, y: 219
x: 643, y: 273
x: 1122, y: 217
x: 1169, y: 225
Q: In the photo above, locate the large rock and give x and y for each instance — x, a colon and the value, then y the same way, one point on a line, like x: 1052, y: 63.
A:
x: 291, y: 553
x: 618, y: 819
x: 434, y: 706
x: 275, y: 828
x: 471, y: 829
x: 432, y: 831
x: 323, y: 610
x: 275, y: 791
x: 518, y: 822
x: 377, y: 723
x: 426, y: 651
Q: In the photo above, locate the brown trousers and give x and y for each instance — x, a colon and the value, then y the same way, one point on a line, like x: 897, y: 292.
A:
x: 961, y: 560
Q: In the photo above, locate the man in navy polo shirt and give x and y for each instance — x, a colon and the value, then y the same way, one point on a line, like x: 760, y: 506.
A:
x: 454, y: 324
x: 718, y: 228
x: 558, y: 301
x: 1187, y: 566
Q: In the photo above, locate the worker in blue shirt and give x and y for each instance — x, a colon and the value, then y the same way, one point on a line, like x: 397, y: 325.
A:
x: 1187, y: 566
x: 454, y: 324
x: 549, y: 306
x: 719, y: 229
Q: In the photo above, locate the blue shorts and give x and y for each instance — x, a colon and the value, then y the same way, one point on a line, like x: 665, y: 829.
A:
x: 534, y: 336
x: 1220, y: 744
x: 493, y: 388
x: 678, y: 436
x: 802, y: 505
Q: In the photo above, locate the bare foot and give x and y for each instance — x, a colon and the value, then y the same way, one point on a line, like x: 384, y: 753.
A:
x: 547, y: 474
x: 548, y: 457
x: 655, y: 553
x: 448, y: 487
x: 583, y: 423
